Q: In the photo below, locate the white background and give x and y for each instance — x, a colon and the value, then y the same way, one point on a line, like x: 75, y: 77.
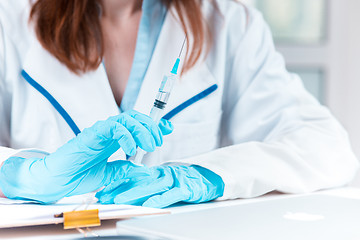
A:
x: 343, y: 65
x: 339, y: 57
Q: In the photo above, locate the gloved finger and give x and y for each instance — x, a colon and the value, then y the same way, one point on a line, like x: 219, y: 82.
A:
x: 109, y: 190
x: 99, y: 196
x: 142, y: 136
x: 167, y: 198
x: 103, y: 133
x: 140, y: 193
x: 149, y: 123
x: 116, y: 172
x: 125, y: 139
x: 120, y: 183
x: 107, y: 197
x: 166, y: 126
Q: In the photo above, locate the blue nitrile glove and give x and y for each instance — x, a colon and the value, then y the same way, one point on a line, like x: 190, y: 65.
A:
x: 81, y: 166
x: 165, y: 186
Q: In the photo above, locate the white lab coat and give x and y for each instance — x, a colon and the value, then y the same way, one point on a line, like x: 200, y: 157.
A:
x: 260, y: 130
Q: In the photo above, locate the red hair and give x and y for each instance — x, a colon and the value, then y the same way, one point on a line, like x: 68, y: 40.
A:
x: 71, y: 31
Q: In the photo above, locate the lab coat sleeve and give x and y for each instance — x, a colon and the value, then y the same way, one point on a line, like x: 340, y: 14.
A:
x: 5, y: 107
x: 275, y: 135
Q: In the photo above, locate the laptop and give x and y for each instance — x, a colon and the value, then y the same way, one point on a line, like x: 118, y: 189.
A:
x: 300, y: 217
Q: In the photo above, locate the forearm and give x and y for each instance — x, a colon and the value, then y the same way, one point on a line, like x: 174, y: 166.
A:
x: 255, y: 168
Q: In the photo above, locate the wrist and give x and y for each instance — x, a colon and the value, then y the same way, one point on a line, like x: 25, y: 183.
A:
x: 28, y: 179
x: 213, y: 178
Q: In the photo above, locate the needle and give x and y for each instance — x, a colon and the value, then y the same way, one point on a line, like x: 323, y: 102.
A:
x: 182, y: 47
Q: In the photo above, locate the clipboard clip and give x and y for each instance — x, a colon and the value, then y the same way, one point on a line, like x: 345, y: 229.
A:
x: 78, y: 219
x: 81, y: 219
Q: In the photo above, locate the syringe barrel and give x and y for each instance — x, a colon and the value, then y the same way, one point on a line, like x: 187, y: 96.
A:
x: 156, y: 114
x: 139, y: 156
x: 157, y: 110
x: 165, y: 88
x: 162, y: 97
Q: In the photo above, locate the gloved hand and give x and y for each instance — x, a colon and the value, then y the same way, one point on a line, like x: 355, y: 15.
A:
x: 165, y: 186
x: 81, y: 166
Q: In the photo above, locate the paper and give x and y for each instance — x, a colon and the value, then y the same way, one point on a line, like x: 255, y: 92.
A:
x: 29, y: 214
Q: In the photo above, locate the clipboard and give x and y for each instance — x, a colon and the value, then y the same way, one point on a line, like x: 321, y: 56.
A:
x: 32, y: 214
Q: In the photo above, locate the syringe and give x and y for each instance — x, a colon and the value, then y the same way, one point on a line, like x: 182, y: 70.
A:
x: 161, y: 100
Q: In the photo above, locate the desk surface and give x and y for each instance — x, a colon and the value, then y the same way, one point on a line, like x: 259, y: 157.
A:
x: 109, y: 227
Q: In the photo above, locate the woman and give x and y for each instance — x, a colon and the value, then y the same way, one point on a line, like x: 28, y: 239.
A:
x: 241, y: 126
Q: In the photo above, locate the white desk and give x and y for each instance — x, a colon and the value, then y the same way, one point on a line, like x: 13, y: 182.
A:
x: 109, y: 227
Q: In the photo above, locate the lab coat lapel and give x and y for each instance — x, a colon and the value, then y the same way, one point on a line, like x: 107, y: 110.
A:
x: 87, y: 98
x: 166, y: 51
